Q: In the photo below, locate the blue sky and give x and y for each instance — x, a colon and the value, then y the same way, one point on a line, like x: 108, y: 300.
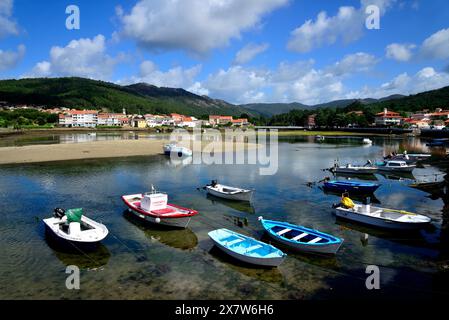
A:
x: 241, y: 51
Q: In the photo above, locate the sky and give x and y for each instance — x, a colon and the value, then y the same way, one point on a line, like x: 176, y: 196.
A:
x: 241, y: 51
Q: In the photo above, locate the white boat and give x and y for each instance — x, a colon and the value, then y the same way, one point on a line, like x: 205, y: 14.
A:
x: 367, y: 141
x: 153, y: 207
x: 73, y: 227
x: 382, y: 217
x: 247, y: 249
x: 173, y: 148
x: 396, y: 166
x: 230, y: 193
x: 349, y: 168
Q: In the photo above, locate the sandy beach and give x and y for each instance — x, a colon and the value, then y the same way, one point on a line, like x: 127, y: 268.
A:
x: 91, y: 150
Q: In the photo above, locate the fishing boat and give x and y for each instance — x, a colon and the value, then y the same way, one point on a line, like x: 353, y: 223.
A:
x: 368, y: 168
x: 351, y: 186
x: 227, y: 192
x: 380, y: 217
x: 153, y: 207
x: 173, y: 148
x: 301, y: 238
x: 395, y: 166
x: 73, y: 227
x: 247, y: 249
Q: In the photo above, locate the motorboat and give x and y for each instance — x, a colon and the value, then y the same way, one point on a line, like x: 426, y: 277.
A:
x: 368, y: 168
x: 395, y: 166
x: 74, y: 228
x: 153, y: 207
x: 367, y: 141
x: 174, y: 149
x: 301, y: 238
x: 247, y: 249
x: 227, y: 192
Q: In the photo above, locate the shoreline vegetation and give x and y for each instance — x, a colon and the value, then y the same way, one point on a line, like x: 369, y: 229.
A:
x: 96, y: 150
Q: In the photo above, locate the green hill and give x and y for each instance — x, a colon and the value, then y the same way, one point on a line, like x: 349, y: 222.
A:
x: 84, y: 93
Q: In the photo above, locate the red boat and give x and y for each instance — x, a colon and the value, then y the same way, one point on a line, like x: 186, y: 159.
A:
x: 154, y: 208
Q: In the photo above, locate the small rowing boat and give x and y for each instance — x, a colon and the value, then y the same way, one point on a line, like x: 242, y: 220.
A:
x: 74, y: 228
x: 154, y: 208
x: 351, y: 186
x: 380, y: 217
x: 301, y: 238
x: 247, y: 249
x: 227, y: 192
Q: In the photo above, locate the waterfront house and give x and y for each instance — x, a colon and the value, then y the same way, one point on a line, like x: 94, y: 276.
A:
x: 388, y: 118
x: 219, y: 120
x: 79, y: 118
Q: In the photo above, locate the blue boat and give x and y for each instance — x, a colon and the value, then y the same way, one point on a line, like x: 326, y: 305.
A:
x: 351, y: 186
x: 301, y: 238
x: 247, y: 249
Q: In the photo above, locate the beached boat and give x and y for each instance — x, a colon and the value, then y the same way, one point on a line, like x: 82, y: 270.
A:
x: 301, y: 238
x: 173, y: 148
x: 351, y: 186
x: 395, y: 166
x: 230, y: 193
x: 247, y: 249
x: 74, y: 228
x: 351, y: 169
x: 154, y: 208
x: 367, y: 141
x: 380, y: 217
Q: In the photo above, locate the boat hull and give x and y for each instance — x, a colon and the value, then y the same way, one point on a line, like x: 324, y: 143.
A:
x: 265, y: 262
x: 397, y: 169
x: 350, y: 188
x: 377, y: 222
x: 241, y: 196
x: 181, y: 223
x: 67, y: 244
x: 354, y: 170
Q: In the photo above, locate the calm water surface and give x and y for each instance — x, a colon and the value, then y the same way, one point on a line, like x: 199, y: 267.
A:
x: 140, y: 262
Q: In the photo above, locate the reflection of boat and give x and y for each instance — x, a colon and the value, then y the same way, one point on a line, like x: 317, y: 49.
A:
x: 397, y: 175
x: 367, y: 177
x: 431, y: 187
x: 154, y: 208
x: 442, y: 142
x: 351, y: 186
x: 75, y: 229
x: 247, y: 249
x: 229, y: 193
x: 181, y: 162
x: 242, y: 206
x: 395, y: 166
x: 382, y: 217
x: 301, y: 238
x: 183, y: 239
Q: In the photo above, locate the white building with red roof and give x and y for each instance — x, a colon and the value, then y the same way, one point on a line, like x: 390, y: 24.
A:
x: 388, y: 118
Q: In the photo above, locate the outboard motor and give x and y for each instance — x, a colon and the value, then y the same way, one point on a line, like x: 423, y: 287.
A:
x: 59, y: 213
x: 214, y: 183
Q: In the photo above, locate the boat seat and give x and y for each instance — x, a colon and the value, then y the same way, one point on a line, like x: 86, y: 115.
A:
x: 163, y: 211
x: 254, y: 247
x: 300, y: 236
x: 230, y: 243
x: 74, y: 228
x: 317, y: 239
x: 280, y: 233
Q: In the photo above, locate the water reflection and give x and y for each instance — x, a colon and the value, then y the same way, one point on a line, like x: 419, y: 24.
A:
x: 242, y: 206
x: 183, y: 239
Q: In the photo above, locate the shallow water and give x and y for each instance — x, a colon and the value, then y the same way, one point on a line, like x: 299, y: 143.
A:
x: 141, y: 262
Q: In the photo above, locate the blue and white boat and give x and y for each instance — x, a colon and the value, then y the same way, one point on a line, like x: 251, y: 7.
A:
x: 351, y: 186
x: 247, y: 249
x: 301, y: 238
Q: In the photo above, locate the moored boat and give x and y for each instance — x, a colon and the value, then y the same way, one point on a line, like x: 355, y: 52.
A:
x: 173, y: 148
x: 247, y: 249
x: 154, y: 208
x: 380, y: 217
x: 367, y: 141
x: 354, y: 169
x: 301, y: 238
x: 351, y: 186
x: 395, y: 166
x: 72, y: 227
x: 230, y: 193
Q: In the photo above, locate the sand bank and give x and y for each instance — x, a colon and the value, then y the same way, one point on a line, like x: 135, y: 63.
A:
x: 90, y: 150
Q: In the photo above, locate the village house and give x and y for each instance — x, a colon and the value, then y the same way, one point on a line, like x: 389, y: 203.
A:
x: 219, y: 120
x: 240, y: 122
x: 388, y: 118
x: 79, y: 118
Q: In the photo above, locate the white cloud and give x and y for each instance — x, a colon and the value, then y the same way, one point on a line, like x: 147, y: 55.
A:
x: 347, y: 26
x: 84, y: 58
x: 9, y: 59
x: 353, y: 63
x: 437, y: 45
x: 424, y: 80
x: 399, y: 52
x: 249, y: 52
x: 7, y: 25
x: 193, y: 25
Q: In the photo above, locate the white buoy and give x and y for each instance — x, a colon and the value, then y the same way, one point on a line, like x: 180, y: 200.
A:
x: 158, y: 220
